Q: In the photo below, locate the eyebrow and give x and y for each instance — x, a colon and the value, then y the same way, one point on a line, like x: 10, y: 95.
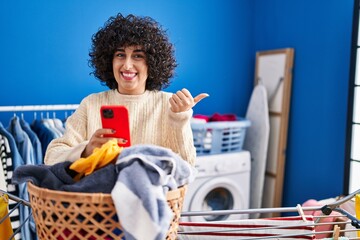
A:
x: 123, y: 50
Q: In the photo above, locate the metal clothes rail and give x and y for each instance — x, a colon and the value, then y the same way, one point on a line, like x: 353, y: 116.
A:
x: 23, y: 108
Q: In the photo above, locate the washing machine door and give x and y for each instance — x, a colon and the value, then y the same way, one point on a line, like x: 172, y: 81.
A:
x: 217, y: 194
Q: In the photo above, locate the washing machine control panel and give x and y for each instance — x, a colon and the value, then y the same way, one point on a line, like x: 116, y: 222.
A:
x: 212, y: 164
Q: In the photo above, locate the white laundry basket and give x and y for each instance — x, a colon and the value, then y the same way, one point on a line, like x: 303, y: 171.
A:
x: 219, y: 137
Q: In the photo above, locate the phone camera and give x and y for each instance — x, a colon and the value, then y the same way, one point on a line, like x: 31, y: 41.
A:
x: 108, y: 113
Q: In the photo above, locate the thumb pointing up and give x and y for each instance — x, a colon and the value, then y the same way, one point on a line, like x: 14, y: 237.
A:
x: 200, y: 97
x: 182, y: 100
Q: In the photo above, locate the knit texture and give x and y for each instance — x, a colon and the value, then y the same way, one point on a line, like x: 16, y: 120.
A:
x: 151, y: 122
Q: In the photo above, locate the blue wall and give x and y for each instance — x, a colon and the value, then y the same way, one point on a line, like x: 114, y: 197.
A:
x: 320, y: 33
x: 44, y: 52
x: 45, y: 45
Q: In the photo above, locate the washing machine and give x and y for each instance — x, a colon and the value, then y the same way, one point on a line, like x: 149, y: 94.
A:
x: 222, y: 183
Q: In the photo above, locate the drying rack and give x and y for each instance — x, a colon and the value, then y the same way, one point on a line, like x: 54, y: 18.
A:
x: 247, y: 229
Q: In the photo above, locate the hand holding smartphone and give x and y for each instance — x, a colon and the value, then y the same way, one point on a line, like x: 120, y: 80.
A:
x: 116, y: 118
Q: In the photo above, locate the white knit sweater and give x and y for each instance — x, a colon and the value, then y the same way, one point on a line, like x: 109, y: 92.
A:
x: 151, y: 122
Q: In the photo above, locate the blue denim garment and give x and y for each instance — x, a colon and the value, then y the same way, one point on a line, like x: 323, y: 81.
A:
x: 38, y: 160
x: 22, y: 140
x: 34, y: 141
x: 26, y: 151
x: 44, y: 134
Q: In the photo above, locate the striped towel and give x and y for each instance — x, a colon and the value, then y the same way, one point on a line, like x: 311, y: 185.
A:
x: 286, y: 227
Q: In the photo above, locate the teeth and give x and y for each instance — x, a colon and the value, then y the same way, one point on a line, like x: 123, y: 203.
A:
x: 129, y: 75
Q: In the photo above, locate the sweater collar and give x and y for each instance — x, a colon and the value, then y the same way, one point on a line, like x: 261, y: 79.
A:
x: 131, y: 98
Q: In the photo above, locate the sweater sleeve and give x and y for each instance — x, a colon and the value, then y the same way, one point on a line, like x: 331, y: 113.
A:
x: 180, y: 135
x: 70, y: 146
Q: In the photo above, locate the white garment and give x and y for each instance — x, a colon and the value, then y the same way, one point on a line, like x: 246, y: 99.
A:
x: 2, y: 174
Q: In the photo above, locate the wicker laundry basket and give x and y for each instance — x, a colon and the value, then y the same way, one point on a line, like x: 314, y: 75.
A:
x: 68, y: 215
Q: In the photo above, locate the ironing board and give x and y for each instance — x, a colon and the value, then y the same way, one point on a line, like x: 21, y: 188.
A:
x: 256, y: 142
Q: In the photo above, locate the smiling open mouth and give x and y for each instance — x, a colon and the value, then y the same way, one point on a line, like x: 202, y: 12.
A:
x: 128, y: 76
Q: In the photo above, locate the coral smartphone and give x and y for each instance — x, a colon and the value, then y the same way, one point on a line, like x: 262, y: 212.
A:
x: 117, y: 118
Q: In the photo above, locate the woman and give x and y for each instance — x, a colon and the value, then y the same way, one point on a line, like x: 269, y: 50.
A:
x: 134, y: 58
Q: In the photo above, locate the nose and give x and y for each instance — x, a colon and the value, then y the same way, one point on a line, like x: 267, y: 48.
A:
x: 128, y: 64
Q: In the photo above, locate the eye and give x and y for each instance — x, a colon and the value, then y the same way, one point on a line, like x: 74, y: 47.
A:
x: 119, y: 54
x: 139, y: 56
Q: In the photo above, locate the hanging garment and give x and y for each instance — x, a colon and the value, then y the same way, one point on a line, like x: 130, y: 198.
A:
x: 98, y: 159
x: 44, y: 134
x: 35, y: 142
x: 22, y: 141
x: 5, y: 227
x: 49, y: 123
x: 2, y: 167
x: 11, y: 159
x: 59, y: 125
x: 256, y: 142
x: 26, y: 151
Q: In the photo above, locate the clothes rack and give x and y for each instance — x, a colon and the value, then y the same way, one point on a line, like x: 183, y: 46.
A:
x: 37, y: 133
x: 39, y: 108
x: 56, y: 107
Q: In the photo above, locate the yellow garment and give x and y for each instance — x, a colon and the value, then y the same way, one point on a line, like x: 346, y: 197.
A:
x: 357, y: 209
x: 5, y: 227
x: 98, y: 159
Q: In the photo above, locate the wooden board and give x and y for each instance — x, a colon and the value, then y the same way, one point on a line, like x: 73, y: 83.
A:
x: 274, y: 70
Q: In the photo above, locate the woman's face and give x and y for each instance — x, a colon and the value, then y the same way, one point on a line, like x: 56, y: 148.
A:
x: 130, y: 70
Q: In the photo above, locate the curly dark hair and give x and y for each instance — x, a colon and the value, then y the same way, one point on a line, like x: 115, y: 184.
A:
x: 120, y: 31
